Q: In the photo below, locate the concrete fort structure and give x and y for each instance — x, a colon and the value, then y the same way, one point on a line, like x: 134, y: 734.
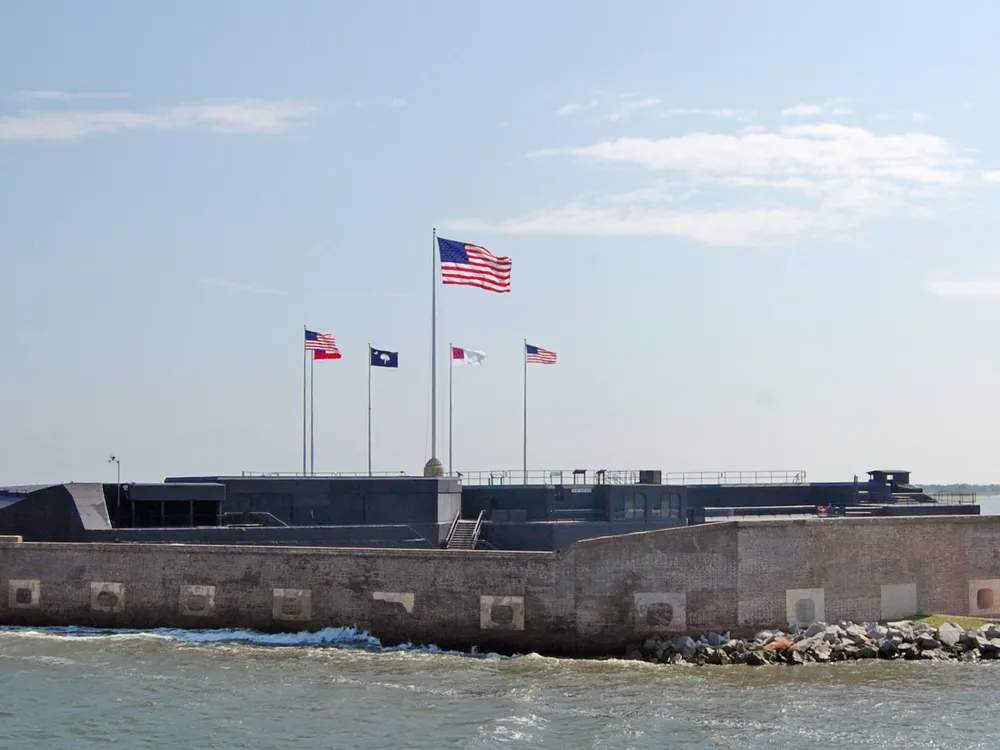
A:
x: 591, y: 598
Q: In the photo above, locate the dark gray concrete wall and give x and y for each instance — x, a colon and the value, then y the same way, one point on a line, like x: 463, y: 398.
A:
x: 595, y: 597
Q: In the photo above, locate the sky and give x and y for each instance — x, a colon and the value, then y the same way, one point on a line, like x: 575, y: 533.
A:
x: 759, y: 236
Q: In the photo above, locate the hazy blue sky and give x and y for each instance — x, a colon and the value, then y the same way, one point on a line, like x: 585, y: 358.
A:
x: 759, y: 235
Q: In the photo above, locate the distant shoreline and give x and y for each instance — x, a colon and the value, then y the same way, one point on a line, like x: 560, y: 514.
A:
x: 980, y: 489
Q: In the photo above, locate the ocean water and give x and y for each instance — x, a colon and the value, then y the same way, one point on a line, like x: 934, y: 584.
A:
x: 78, y: 689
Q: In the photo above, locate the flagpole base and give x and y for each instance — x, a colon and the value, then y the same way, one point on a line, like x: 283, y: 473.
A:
x: 434, y: 468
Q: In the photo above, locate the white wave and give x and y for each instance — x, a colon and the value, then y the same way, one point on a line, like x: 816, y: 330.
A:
x: 325, y: 638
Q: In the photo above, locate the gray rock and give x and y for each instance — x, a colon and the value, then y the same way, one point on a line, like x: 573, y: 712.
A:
x: 675, y: 659
x: 715, y: 640
x: 718, y: 657
x: 927, y: 643
x: 992, y: 631
x: 876, y: 631
x: 805, y: 644
x: 822, y: 651
x: 867, y: 652
x: 815, y: 629
x: 685, y: 646
x: 888, y: 649
x: 832, y: 634
x: 756, y: 658
x: 857, y: 634
x: 949, y: 635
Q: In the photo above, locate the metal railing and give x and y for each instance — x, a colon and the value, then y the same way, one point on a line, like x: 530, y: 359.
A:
x: 574, y: 476
x: 327, y: 474
x: 627, y: 476
x: 954, y: 498
x: 478, y: 528
x: 454, y: 524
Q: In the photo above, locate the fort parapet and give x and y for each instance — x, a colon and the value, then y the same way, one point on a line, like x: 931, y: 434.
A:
x: 594, y: 597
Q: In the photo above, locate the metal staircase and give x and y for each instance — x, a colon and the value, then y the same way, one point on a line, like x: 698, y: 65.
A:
x: 465, y: 533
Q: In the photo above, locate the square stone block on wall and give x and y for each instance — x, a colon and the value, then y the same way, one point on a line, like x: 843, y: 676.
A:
x: 403, y: 600
x: 24, y: 594
x: 899, y: 600
x: 501, y: 613
x: 803, y: 607
x: 984, y: 597
x: 107, y: 596
x: 197, y: 601
x: 292, y: 604
x: 654, y: 612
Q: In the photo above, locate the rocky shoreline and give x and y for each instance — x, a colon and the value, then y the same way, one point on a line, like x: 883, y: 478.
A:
x: 824, y: 643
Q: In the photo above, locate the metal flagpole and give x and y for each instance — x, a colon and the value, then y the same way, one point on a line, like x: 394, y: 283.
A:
x: 524, y: 353
x: 312, y: 415
x: 451, y: 378
x: 433, y: 343
x: 369, y: 408
x: 305, y: 353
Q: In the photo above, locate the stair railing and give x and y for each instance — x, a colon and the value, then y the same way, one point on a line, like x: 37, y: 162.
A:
x: 454, y: 525
x: 477, y: 529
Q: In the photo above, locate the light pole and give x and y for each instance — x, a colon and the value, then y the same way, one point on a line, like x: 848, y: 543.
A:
x: 112, y: 459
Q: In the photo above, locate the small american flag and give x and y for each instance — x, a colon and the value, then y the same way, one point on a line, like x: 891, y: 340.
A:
x: 472, y: 265
x: 322, y: 342
x: 539, y: 356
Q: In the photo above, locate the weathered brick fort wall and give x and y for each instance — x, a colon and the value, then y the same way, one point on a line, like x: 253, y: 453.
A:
x: 594, y: 597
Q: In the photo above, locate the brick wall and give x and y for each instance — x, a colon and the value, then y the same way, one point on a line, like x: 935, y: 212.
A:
x: 594, y: 597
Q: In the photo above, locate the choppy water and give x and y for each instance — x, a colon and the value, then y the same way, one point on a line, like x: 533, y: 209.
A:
x: 228, y: 689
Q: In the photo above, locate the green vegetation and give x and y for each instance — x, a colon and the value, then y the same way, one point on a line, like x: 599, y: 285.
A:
x: 936, y: 621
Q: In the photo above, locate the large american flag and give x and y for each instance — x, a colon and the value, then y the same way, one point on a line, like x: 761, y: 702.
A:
x: 472, y: 265
x: 322, y: 342
x: 539, y: 356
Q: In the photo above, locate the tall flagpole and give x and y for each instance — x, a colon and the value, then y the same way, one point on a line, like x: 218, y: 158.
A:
x: 433, y: 343
x: 305, y: 353
x: 312, y: 415
x: 451, y: 378
x: 369, y: 408
x: 524, y: 353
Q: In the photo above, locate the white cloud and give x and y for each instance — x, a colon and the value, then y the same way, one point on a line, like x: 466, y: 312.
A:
x: 572, y: 109
x: 617, y: 108
x: 241, y: 116
x: 239, y: 287
x: 921, y: 116
x: 732, y: 227
x: 885, y: 116
x: 398, y: 102
x: 827, y: 149
x: 965, y: 288
x: 802, y: 110
x: 723, y: 112
x: 841, y: 111
x: 625, y: 109
x: 68, y: 96
x: 991, y: 176
x: 755, y: 188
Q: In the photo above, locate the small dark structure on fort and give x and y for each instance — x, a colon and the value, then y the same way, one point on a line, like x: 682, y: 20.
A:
x: 489, y: 510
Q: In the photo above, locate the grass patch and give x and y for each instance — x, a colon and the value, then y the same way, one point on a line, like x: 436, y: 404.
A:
x: 936, y: 621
